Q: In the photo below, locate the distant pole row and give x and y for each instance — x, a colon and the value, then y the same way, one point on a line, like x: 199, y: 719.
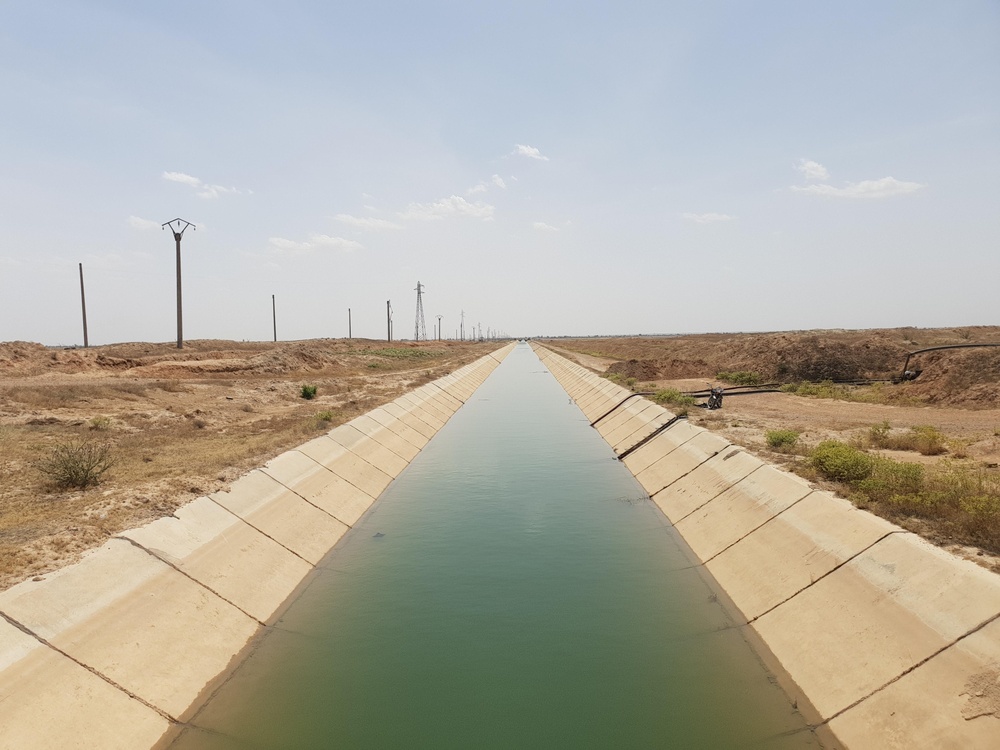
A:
x: 178, y: 226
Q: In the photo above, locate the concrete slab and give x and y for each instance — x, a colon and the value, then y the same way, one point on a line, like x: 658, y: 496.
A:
x: 400, y: 427
x: 49, y: 701
x: 411, y: 420
x: 951, y: 702
x: 795, y: 549
x: 347, y: 465
x: 709, y: 480
x: 337, y: 495
x: 425, y: 408
x: 371, y: 451
x: 415, y: 407
x: 677, y: 434
x: 223, y: 553
x: 385, y: 436
x: 291, y: 521
x: 738, y: 511
x: 631, y: 434
x: 623, y: 414
x: 685, y: 458
x: 137, y: 621
x: 876, y: 617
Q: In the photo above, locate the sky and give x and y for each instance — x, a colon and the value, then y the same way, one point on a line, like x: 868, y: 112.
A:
x: 547, y: 168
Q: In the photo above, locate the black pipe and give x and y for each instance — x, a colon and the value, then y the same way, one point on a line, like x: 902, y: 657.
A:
x: 650, y: 436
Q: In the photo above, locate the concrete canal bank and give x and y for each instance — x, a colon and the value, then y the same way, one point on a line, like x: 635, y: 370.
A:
x: 892, y: 642
x: 113, y: 651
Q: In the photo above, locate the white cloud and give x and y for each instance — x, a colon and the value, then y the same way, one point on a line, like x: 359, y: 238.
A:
x: 186, y: 179
x: 707, y: 218
x: 541, y: 226
x: 203, y: 189
x: 883, y: 188
x: 812, y: 170
x: 480, y: 188
x: 529, y: 151
x: 366, y: 222
x: 315, y: 241
x: 498, y: 181
x: 447, y: 207
x: 136, y: 223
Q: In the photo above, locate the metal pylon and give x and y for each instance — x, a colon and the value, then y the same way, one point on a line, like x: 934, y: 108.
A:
x: 419, y: 327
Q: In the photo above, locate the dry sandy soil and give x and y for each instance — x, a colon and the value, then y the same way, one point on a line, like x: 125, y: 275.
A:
x: 957, y: 392
x: 179, y: 423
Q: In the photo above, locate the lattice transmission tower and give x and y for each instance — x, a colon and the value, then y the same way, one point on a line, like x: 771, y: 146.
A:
x: 419, y: 327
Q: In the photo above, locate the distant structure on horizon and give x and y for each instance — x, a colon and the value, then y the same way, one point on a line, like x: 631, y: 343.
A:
x: 419, y: 327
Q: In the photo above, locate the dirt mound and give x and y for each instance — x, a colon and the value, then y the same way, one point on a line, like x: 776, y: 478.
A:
x: 634, y: 368
x: 957, y: 377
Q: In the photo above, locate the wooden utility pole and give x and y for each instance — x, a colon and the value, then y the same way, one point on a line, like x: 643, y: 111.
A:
x: 83, y: 303
x: 274, y: 319
x: 349, y: 323
x: 388, y: 319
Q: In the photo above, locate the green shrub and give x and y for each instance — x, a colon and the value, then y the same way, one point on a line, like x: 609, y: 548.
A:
x: 77, y: 463
x: 325, y: 416
x: 674, y: 397
x: 892, y: 481
x: 308, y: 392
x: 614, y: 377
x: 781, y: 439
x: 841, y: 462
x: 740, y: 377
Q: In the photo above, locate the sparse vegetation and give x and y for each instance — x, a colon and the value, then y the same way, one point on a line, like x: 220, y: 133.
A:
x: 325, y: 416
x: 308, y: 392
x: 77, y: 463
x: 398, y: 352
x: 100, y: 424
x: 781, y: 440
x: 926, y: 440
x: 673, y: 397
x: 740, y: 377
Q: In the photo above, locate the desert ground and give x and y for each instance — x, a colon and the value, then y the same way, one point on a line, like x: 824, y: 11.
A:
x: 178, y: 424
x: 183, y: 423
x: 957, y: 393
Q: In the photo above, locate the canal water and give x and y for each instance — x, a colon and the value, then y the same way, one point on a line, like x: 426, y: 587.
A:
x: 513, y: 588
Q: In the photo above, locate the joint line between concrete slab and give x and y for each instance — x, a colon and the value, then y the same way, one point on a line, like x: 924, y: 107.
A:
x: 187, y: 575
x: 689, y: 471
x: 717, y: 494
x: 27, y: 631
x: 834, y: 569
x: 758, y: 527
x: 264, y: 533
x: 919, y: 664
x: 300, y: 495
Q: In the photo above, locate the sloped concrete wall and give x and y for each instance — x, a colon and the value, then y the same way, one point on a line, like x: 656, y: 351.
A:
x: 894, y: 642
x: 113, y: 651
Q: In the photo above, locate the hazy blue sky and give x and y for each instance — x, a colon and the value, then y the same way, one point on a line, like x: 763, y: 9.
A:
x: 549, y: 167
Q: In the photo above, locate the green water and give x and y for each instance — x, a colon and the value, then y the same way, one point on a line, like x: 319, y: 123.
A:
x: 513, y: 588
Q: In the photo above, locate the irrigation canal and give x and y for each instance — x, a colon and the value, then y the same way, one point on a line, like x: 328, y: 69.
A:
x: 513, y: 588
